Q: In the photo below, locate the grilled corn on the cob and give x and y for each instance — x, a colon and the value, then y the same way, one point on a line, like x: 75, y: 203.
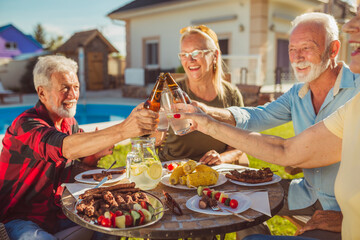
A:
x: 205, y: 168
x: 176, y: 174
x: 189, y: 167
x: 182, y: 180
x: 201, y: 179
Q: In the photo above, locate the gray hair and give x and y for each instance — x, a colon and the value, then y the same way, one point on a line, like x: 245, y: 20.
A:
x: 48, y: 65
x: 328, y: 21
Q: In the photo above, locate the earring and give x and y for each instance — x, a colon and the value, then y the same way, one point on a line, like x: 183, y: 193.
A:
x: 214, y: 67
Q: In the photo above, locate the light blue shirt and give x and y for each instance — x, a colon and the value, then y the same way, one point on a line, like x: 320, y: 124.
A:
x: 296, y: 105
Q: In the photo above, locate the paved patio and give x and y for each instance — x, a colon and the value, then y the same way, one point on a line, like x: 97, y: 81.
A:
x: 111, y: 96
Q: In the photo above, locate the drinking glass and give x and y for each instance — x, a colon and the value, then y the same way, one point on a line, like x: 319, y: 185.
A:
x: 171, y: 101
x: 163, y: 125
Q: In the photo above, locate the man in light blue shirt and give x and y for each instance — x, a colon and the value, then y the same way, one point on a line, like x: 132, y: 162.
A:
x: 326, y: 85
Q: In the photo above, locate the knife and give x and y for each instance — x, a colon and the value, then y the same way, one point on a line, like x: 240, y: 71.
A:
x: 105, y: 178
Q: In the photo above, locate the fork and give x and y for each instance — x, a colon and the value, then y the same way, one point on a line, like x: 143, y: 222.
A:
x: 218, y: 208
x: 101, y: 182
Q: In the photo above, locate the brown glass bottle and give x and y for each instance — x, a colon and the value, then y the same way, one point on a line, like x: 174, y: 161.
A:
x: 173, y: 86
x: 153, y: 101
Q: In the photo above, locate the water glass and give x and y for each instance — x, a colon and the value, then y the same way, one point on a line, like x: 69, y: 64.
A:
x: 170, y: 101
x: 163, y: 125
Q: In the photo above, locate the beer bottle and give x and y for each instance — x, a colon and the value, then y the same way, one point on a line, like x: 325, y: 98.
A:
x: 173, y: 86
x: 153, y: 102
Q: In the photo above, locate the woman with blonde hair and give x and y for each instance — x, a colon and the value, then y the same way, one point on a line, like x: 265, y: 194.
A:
x: 200, y: 57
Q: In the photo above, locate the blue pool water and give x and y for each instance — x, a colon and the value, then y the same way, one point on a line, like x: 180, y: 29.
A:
x: 89, y: 113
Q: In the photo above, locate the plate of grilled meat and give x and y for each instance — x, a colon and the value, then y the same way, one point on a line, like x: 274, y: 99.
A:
x: 251, y: 177
x: 96, y: 175
x: 119, y: 207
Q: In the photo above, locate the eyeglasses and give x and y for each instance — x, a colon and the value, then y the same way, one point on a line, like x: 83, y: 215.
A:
x: 196, y: 54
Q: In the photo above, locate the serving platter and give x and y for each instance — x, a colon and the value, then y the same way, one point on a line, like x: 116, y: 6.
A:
x: 155, y: 202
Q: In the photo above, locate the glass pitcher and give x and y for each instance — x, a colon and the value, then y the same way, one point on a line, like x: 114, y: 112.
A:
x: 142, y: 163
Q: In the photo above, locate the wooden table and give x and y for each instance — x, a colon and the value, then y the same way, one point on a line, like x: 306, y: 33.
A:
x: 191, y: 224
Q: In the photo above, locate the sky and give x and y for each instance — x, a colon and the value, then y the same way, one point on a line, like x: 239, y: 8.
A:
x: 65, y: 17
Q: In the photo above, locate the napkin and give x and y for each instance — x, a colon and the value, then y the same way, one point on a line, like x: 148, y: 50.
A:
x: 260, y: 202
x: 227, y: 166
x: 76, y: 189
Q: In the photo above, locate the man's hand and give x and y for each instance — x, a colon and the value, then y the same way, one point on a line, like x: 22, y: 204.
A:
x: 199, y: 120
x: 220, y: 114
x: 324, y: 220
x: 202, y: 107
x: 210, y: 158
x: 140, y: 122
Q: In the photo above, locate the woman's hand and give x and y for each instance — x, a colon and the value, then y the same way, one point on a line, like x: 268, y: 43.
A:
x: 212, y: 157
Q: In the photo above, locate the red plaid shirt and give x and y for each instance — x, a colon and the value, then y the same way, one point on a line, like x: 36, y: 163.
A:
x: 32, y: 168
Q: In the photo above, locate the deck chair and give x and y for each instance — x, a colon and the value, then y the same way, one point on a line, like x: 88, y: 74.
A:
x: 8, y: 93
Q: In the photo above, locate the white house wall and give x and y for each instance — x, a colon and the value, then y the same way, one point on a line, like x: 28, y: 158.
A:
x: 167, y: 25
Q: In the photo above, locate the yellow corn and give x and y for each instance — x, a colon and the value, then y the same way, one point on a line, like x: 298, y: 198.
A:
x: 182, y: 180
x: 189, y: 167
x: 205, y: 168
x: 176, y: 174
x: 201, y: 179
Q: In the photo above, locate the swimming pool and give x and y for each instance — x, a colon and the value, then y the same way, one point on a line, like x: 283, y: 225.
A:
x: 85, y: 113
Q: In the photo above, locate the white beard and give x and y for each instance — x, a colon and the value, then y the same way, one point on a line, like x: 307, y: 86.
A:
x: 315, y: 70
x: 63, y: 112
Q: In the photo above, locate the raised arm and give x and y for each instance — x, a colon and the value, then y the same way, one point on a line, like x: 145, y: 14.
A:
x: 316, y: 142
x: 140, y: 122
x: 220, y: 114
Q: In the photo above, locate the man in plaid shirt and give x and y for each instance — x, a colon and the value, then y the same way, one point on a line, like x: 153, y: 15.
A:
x: 39, y: 146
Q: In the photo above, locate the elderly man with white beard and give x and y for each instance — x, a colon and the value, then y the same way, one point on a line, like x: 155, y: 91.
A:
x: 43, y: 143
x: 325, y: 86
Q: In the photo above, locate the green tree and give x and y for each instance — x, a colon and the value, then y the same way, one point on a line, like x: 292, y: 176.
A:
x: 39, y: 34
x: 48, y: 43
x: 54, y: 42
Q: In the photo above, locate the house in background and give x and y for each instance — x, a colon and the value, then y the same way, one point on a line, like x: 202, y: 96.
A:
x: 253, y: 35
x: 16, y: 50
x: 91, y: 50
x: 13, y: 42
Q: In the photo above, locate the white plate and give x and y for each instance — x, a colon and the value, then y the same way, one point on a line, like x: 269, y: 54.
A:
x: 275, y: 179
x: 244, y: 204
x: 165, y: 180
x: 166, y: 171
x: 115, y: 177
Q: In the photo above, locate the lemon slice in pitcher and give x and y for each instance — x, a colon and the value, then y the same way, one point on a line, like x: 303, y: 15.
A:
x: 155, y: 170
x: 137, y: 169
